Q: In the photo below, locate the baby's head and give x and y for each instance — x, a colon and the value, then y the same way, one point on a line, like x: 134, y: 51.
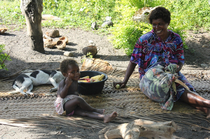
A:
x: 70, y: 66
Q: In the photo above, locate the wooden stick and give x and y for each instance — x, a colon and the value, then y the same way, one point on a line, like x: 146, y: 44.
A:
x: 139, y: 128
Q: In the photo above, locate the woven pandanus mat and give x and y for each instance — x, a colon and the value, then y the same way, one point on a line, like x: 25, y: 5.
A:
x: 133, y: 102
x: 126, y: 101
x: 23, y: 107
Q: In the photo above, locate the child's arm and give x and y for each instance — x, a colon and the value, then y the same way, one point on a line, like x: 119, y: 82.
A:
x: 64, y: 86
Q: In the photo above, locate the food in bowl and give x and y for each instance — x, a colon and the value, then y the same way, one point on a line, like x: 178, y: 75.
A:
x: 91, y: 88
x: 96, y: 78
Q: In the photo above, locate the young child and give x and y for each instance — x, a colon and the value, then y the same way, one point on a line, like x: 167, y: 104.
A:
x: 68, y: 99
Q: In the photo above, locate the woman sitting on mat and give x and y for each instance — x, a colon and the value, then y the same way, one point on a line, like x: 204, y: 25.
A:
x: 68, y: 99
x: 163, y: 45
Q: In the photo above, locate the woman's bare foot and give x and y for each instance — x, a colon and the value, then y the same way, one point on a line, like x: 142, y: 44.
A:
x: 206, y: 110
x: 109, y: 117
x: 208, y: 114
x: 100, y: 111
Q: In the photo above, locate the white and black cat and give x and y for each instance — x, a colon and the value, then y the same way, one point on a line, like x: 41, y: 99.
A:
x: 26, y: 81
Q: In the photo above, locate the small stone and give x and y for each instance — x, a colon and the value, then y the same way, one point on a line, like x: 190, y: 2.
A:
x: 94, y: 26
x: 69, y: 54
x: 205, y: 46
x: 204, y: 65
x: 53, y: 34
x: 107, y: 24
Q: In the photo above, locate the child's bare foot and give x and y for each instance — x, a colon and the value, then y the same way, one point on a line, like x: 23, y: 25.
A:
x: 109, y: 117
x: 101, y: 111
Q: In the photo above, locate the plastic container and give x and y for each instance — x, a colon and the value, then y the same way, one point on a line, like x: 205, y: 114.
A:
x: 91, y: 88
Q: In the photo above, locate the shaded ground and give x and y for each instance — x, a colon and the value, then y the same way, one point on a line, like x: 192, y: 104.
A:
x: 199, y: 48
x: 16, y: 44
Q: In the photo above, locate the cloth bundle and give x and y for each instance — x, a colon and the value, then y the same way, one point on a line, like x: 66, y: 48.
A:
x: 159, y: 84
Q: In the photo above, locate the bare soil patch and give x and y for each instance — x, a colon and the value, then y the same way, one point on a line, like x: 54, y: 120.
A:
x: 16, y: 44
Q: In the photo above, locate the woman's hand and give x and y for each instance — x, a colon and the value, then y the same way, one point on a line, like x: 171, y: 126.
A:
x: 129, y: 71
x: 180, y: 65
x: 118, y: 85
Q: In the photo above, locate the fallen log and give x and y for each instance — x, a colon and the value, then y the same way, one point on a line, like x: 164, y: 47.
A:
x: 139, y: 128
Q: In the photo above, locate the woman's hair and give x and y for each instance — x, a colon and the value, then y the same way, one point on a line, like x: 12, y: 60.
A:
x: 160, y: 12
x: 65, y: 64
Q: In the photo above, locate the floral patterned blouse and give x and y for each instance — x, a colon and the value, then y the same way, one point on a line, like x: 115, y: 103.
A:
x: 150, y: 49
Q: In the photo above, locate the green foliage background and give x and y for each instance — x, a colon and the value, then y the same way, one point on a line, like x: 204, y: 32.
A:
x: 3, y: 57
x: 186, y: 15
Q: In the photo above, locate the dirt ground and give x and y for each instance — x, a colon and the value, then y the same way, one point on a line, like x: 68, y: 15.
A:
x: 24, y: 58
x: 16, y: 44
x: 197, y: 57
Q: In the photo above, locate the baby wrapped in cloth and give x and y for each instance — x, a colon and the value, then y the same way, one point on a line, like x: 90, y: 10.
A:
x: 159, y: 85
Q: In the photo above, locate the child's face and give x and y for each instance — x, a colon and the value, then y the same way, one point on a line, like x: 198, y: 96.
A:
x: 73, y: 72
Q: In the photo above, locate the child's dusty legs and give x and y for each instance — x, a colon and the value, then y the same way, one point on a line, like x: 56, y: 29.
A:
x: 109, y: 117
x: 106, y: 118
x: 197, y: 101
x: 78, y: 102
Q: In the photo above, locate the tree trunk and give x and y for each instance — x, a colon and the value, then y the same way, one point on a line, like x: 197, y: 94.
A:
x: 32, y: 9
x: 139, y: 128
